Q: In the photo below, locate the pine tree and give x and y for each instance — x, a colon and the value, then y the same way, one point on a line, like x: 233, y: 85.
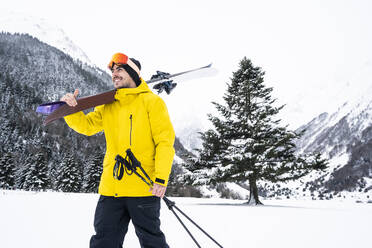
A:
x: 247, y: 142
x: 35, y: 173
x: 69, y: 175
x: 7, y: 171
x: 92, y: 173
x: 6, y: 131
x: 21, y: 176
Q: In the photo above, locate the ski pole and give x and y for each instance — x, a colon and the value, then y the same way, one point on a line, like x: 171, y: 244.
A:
x: 171, y: 204
x: 132, y: 165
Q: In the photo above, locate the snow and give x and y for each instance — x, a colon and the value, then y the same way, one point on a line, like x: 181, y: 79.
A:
x: 177, y: 159
x: 297, y: 186
x: 242, y: 192
x: 368, y: 182
x: 209, y: 191
x: 56, y: 220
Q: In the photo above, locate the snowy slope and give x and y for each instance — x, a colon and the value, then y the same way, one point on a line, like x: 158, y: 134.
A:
x: 344, y: 137
x: 42, y: 29
x: 331, y: 133
x: 355, y: 113
x: 45, y: 220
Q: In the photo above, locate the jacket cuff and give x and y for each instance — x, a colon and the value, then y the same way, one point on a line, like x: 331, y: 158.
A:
x: 160, y: 181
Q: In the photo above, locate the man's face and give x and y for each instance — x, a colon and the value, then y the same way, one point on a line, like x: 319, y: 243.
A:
x: 121, y: 78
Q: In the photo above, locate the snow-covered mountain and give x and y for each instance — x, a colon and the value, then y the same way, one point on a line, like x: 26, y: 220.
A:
x: 341, y: 134
x: 345, y: 137
x: 42, y: 29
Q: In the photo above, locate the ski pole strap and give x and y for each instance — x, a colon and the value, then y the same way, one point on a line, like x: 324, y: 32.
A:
x: 118, y: 171
x: 134, y: 163
x: 121, y: 165
x: 129, y: 164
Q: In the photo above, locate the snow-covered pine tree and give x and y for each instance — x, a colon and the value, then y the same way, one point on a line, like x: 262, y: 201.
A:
x: 21, y: 175
x: 6, y: 131
x: 92, y: 172
x: 35, y: 173
x: 247, y: 143
x: 69, y: 176
x: 7, y: 171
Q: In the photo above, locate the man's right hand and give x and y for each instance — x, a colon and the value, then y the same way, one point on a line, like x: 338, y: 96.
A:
x: 70, y: 99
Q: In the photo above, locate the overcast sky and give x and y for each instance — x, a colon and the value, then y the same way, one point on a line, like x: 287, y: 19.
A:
x: 306, y: 48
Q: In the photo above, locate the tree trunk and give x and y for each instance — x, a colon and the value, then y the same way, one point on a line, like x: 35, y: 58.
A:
x: 253, y: 192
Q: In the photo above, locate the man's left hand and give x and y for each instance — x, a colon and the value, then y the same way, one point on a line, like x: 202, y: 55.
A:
x: 158, y: 190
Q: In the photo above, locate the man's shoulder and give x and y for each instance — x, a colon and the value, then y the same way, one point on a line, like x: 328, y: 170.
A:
x: 153, y: 102
x: 150, y: 97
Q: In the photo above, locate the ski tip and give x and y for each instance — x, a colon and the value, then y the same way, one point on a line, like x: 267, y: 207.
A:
x: 48, y: 108
x: 207, y: 66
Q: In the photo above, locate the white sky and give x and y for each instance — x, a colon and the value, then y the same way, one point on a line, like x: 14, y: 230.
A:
x: 310, y: 50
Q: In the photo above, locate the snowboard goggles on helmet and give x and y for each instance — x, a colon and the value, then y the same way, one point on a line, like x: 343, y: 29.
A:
x: 122, y: 59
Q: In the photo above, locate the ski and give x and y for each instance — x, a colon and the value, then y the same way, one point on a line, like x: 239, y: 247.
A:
x: 56, y: 110
x: 160, y: 76
x: 165, y: 80
x: 59, y: 109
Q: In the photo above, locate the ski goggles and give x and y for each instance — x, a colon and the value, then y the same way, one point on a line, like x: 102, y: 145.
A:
x: 122, y: 59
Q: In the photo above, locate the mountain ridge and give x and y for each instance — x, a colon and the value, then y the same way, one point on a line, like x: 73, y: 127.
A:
x: 14, y: 22
x: 345, y: 137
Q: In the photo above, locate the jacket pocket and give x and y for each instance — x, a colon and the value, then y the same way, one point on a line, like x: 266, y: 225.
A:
x: 148, y: 202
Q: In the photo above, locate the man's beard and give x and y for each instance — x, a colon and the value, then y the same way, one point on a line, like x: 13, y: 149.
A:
x: 120, y: 84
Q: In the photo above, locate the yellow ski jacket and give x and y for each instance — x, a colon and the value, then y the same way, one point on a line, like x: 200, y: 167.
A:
x: 138, y: 119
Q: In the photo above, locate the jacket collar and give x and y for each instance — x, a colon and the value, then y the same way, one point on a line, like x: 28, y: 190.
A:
x: 123, y: 92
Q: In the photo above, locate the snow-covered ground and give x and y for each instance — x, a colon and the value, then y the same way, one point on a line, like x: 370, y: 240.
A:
x: 49, y: 219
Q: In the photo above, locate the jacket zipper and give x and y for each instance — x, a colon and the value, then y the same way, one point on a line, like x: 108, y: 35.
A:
x: 130, y: 134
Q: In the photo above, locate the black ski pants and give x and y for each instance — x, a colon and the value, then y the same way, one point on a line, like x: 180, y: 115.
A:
x: 112, y: 218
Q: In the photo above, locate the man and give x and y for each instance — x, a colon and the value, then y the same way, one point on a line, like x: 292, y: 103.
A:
x: 138, y: 120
